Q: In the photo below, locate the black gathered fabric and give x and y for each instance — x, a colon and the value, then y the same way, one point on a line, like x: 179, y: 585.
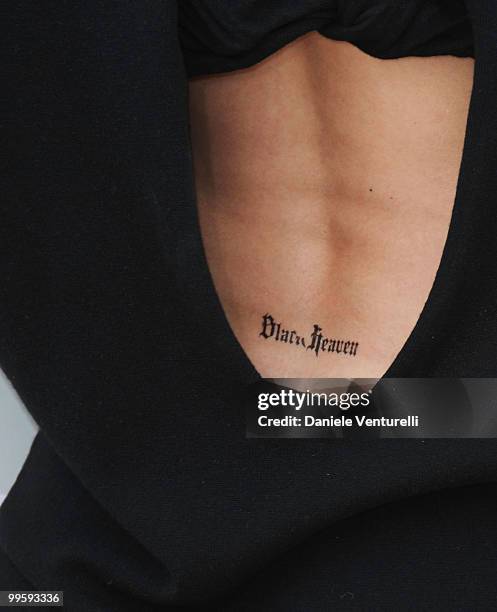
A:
x: 141, y: 491
x: 218, y: 36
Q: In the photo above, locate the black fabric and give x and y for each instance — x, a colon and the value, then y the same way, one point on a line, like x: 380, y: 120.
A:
x: 218, y: 36
x: 141, y: 491
x: 10, y: 578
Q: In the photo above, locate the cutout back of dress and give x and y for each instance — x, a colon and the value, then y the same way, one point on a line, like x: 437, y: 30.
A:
x: 325, y: 183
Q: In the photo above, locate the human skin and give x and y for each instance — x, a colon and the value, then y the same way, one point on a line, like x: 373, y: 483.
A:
x: 325, y: 183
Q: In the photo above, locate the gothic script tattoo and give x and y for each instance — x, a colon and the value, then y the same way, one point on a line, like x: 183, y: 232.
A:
x: 315, y: 342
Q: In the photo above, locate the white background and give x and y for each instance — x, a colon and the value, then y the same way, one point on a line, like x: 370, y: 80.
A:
x: 17, y: 430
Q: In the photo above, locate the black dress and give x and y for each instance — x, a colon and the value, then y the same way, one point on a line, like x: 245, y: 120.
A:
x: 141, y: 491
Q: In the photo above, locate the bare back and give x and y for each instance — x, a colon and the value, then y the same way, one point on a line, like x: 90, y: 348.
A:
x: 325, y: 182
